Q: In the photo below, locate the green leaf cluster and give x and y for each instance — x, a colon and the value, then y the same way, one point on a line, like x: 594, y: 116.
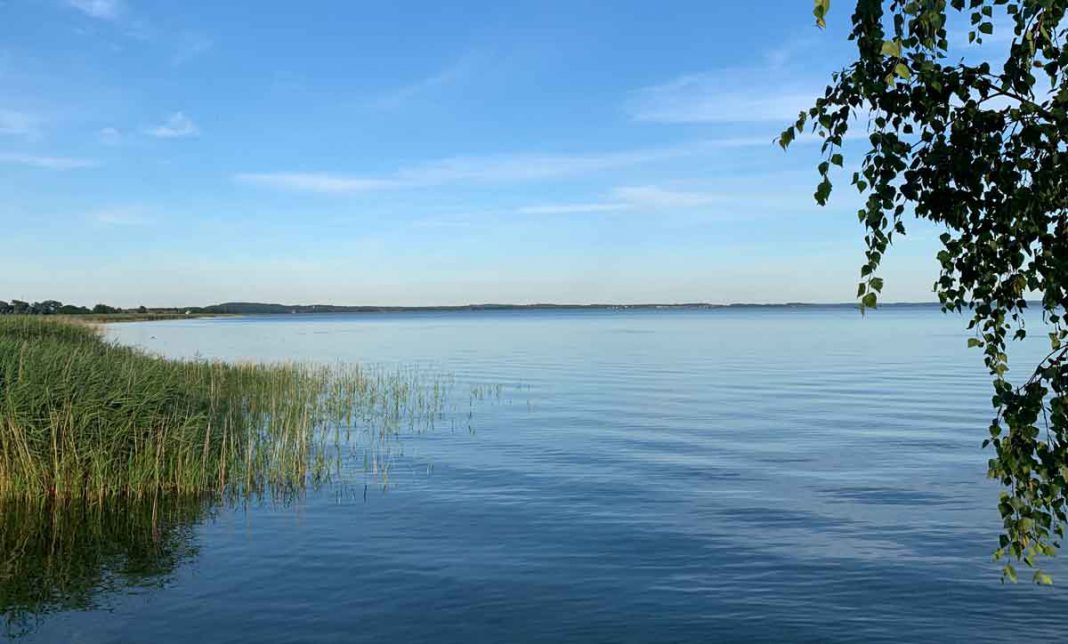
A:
x: 980, y: 147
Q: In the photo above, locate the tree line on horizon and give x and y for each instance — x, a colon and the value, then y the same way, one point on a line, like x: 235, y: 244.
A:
x: 55, y: 307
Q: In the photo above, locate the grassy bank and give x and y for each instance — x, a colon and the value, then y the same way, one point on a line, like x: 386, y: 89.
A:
x: 84, y: 418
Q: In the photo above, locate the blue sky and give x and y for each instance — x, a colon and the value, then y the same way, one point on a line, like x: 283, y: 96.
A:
x: 422, y: 153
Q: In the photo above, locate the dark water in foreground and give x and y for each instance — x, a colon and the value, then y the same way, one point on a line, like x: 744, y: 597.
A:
x: 755, y: 475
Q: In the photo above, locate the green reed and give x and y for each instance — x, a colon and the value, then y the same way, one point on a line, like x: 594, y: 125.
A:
x: 83, y: 418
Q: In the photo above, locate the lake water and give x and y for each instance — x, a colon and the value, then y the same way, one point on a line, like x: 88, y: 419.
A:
x: 645, y: 476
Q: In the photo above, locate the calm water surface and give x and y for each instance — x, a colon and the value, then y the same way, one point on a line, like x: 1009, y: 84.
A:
x: 754, y: 475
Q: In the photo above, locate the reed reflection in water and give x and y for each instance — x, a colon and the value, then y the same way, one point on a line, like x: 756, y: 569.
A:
x: 74, y: 556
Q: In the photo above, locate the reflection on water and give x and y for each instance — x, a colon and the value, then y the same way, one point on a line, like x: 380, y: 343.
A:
x: 73, y: 556
x: 76, y: 556
x: 755, y: 475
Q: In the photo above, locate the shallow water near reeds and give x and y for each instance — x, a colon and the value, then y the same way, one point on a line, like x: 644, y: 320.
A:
x: 745, y: 474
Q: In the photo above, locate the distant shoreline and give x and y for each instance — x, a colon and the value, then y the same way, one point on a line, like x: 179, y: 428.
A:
x: 256, y: 308
x: 230, y: 309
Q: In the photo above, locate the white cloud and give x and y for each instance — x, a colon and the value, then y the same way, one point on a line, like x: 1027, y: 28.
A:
x: 110, y: 136
x: 725, y: 96
x: 501, y: 168
x: 525, y: 167
x: 120, y: 217
x: 571, y: 208
x: 314, y: 182
x: 627, y: 198
x: 18, y: 123
x: 50, y: 163
x: 102, y: 9
x: 442, y: 222
x: 441, y: 78
x: 774, y: 91
x: 190, y: 45
x: 177, y: 125
x: 656, y: 197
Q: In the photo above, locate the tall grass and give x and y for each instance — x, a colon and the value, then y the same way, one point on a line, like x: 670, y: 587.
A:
x: 84, y: 418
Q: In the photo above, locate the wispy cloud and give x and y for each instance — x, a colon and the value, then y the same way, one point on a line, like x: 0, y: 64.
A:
x: 443, y: 222
x: 101, y: 9
x: 18, y: 123
x: 526, y: 167
x: 791, y: 51
x: 501, y: 168
x: 315, y: 182
x: 50, y: 163
x: 441, y: 78
x: 177, y: 126
x: 739, y: 196
x: 571, y: 208
x: 657, y: 197
x: 109, y: 136
x: 190, y: 45
x: 120, y: 217
x: 725, y: 96
x: 124, y: 21
x: 626, y: 198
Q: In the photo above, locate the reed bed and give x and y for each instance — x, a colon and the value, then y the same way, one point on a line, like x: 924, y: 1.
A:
x: 83, y: 418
